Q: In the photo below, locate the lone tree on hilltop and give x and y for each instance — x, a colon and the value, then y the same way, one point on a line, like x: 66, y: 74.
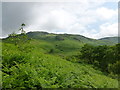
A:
x: 21, y: 29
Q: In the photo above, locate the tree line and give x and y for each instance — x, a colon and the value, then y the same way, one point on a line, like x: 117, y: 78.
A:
x: 107, y: 58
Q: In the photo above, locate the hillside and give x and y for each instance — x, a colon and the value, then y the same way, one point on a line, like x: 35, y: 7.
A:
x: 77, y: 38
x: 110, y: 39
x: 38, y: 60
x: 62, y: 44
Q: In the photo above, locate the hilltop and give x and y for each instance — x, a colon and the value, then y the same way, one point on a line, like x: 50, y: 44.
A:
x: 79, y: 38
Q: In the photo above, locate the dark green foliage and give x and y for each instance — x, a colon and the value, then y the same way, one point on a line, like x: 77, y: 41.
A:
x: 87, y: 52
x: 58, y: 37
x: 104, y: 57
x: 51, y: 51
x: 22, y: 24
x: 114, y: 68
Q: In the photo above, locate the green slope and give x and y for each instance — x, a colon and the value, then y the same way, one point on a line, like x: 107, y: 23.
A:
x: 26, y: 66
x: 37, y: 63
x: 58, y: 44
x: 78, y: 38
x: 64, y: 44
x: 110, y: 39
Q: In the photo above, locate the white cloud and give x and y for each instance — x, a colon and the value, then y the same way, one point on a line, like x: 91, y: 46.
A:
x: 106, y: 13
x: 53, y: 20
x: 107, y: 30
x: 58, y: 19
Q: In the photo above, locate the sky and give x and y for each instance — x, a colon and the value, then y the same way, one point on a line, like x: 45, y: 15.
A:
x: 90, y: 18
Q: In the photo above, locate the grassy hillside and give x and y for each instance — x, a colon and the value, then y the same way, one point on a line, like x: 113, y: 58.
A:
x: 38, y: 61
x: 60, y: 44
x: 110, y: 39
x: 77, y: 38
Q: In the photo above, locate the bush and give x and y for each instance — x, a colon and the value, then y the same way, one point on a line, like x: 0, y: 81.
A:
x: 101, y: 56
x: 114, y: 68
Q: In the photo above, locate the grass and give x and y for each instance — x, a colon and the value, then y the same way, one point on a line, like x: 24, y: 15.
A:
x: 30, y: 65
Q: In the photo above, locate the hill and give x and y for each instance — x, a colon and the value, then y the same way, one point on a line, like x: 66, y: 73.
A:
x: 26, y: 66
x: 77, y: 38
x: 59, y: 44
x: 38, y: 60
x: 110, y: 39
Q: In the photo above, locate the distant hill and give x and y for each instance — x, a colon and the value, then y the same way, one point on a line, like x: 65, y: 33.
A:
x: 110, y: 39
x: 72, y: 37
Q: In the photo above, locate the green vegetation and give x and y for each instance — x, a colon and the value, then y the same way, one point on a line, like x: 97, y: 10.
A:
x: 107, y: 58
x: 110, y: 39
x: 41, y: 60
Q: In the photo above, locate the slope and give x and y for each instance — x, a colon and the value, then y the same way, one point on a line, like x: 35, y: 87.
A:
x: 25, y: 65
x: 57, y: 44
x: 78, y: 38
x: 110, y: 39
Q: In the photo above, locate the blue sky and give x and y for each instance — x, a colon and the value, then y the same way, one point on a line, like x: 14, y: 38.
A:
x: 91, y: 18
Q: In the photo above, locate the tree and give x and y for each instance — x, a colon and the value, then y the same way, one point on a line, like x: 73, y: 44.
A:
x: 86, y: 53
x: 118, y: 51
x: 21, y: 29
x: 115, y: 68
